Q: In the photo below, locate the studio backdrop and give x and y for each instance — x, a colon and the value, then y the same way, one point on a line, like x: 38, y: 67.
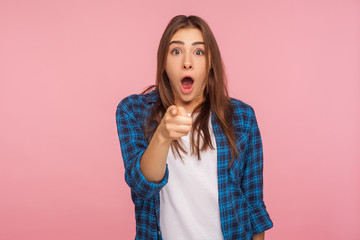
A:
x: 65, y: 65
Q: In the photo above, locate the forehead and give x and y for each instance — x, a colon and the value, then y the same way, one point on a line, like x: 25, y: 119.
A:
x: 188, y: 34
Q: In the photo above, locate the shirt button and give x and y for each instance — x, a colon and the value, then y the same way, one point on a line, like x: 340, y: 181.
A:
x: 159, y: 232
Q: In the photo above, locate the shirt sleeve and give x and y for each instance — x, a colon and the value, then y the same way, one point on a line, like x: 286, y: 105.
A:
x: 133, y: 145
x: 252, y: 180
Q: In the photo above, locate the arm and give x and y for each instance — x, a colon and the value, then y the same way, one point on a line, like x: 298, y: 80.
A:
x: 146, y: 171
x: 133, y: 147
x: 252, y: 182
x: 153, y: 162
x: 174, y: 125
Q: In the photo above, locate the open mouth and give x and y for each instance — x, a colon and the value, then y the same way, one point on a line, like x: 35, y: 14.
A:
x: 187, y: 83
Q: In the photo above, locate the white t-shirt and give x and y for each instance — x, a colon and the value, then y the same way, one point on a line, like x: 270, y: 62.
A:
x: 189, y: 207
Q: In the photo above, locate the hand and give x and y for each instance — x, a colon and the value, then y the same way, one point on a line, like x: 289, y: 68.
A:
x: 175, y: 123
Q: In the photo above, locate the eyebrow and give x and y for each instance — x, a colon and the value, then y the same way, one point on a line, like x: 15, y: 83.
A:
x: 181, y: 42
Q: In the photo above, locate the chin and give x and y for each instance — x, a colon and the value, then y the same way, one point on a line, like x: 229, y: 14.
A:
x: 187, y: 99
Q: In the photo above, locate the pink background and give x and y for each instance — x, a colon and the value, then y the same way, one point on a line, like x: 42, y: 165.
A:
x: 65, y: 65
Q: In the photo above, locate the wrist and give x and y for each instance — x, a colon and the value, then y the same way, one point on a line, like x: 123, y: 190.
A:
x: 160, y: 138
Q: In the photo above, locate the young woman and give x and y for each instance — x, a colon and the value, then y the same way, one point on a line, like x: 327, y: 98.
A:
x: 192, y: 155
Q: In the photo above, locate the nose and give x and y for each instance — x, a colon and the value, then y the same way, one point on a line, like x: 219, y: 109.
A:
x: 187, y: 64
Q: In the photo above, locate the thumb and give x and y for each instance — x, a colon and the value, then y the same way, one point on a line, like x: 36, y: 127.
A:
x: 173, y: 110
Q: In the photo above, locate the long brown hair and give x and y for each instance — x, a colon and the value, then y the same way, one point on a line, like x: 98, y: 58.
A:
x: 216, y: 98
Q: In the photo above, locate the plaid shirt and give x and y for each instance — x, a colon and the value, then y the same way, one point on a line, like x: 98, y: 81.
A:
x: 242, y: 209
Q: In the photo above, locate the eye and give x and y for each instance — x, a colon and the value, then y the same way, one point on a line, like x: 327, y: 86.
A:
x: 199, y: 52
x: 175, y: 51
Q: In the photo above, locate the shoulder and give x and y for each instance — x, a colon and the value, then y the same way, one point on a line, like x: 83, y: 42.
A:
x: 244, y: 113
x: 137, y: 102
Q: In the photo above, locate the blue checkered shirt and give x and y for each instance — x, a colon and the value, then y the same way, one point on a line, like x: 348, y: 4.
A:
x: 242, y: 209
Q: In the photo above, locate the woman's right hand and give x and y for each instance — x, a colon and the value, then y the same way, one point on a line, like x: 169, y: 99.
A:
x: 175, y: 124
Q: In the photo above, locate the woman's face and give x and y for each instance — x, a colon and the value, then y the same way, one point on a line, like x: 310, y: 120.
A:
x: 186, y: 58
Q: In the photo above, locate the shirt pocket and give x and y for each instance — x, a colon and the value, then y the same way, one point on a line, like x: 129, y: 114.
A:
x: 238, y: 163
